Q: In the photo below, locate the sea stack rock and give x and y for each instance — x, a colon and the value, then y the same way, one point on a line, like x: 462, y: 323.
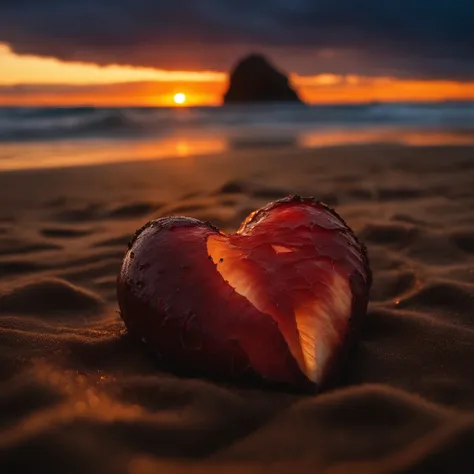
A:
x: 255, y: 79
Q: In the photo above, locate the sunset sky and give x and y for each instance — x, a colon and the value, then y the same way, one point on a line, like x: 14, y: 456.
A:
x: 143, y: 52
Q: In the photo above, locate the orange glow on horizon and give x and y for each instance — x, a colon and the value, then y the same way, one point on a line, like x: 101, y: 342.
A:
x: 162, y: 94
x: 35, y: 81
x: 358, y: 89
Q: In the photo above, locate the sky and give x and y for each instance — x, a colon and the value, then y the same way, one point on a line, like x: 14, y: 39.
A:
x: 143, y: 52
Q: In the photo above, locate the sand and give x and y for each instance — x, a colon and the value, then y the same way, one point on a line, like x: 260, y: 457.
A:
x: 76, y: 395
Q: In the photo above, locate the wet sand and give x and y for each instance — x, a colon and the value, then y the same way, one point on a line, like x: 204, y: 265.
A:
x: 77, y: 395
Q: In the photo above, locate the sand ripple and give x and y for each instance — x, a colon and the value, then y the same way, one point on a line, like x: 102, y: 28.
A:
x: 77, y: 395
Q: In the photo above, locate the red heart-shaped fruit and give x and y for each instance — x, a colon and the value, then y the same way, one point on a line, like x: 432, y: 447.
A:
x: 279, y: 299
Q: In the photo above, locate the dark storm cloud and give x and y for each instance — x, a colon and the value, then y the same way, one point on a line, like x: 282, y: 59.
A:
x: 403, y: 37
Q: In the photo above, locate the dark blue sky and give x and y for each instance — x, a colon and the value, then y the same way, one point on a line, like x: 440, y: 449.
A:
x: 407, y: 38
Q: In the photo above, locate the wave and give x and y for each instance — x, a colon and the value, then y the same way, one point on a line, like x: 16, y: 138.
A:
x: 38, y: 123
x: 67, y: 123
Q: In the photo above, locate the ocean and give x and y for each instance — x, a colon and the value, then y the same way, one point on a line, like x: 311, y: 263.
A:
x: 37, y: 137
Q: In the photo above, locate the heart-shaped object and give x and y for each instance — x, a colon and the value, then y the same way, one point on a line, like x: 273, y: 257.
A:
x: 280, y: 299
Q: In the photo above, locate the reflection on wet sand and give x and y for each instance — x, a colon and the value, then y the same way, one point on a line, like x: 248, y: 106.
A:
x: 62, y: 153
x: 88, y: 152
x: 322, y: 138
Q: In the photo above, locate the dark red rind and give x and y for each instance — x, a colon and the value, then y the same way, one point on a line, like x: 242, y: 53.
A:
x: 170, y: 254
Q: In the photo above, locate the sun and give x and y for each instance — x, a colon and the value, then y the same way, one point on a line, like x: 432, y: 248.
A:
x: 179, y: 98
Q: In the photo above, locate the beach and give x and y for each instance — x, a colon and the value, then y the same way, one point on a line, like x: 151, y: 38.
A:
x: 77, y: 395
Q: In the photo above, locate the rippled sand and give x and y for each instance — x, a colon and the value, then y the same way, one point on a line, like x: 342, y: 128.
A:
x: 76, y: 395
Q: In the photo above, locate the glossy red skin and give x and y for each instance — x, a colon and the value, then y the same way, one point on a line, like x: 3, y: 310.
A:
x: 171, y: 295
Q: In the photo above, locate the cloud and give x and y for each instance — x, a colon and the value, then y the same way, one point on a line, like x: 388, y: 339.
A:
x: 405, y: 38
